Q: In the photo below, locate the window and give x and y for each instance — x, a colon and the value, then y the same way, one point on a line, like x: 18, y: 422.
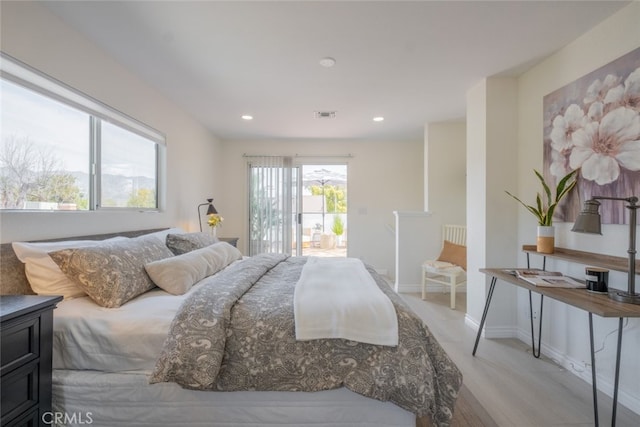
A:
x: 128, y: 169
x: 62, y: 150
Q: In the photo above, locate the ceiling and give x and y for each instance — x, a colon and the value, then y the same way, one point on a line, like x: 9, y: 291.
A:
x: 410, y: 62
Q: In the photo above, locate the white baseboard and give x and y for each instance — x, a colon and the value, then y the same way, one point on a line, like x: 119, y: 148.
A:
x: 578, y: 368
x: 408, y: 289
x: 413, y: 288
x: 443, y: 288
x: 491, y: 331
x: 572, y: 365
x: 471, y: 322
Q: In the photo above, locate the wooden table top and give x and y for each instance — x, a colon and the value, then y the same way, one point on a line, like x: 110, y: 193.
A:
x: 595, y: 303
x: 587, y: 258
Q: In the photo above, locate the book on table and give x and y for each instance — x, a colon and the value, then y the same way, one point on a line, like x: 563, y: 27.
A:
x: 551, y: 279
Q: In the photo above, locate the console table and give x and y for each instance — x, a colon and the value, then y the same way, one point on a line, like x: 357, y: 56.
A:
x: 592, y: 303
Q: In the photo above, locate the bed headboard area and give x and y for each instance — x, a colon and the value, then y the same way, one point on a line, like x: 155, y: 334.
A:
x: 12, y: 277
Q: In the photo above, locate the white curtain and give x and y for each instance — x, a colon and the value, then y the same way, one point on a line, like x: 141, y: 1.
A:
x: 270, y: 204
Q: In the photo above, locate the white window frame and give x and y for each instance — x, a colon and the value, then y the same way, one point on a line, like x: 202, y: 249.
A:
x: 28, y: 77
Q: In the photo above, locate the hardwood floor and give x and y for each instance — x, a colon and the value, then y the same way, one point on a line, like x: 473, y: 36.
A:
x: 511, y: 385
x: 469, y: 412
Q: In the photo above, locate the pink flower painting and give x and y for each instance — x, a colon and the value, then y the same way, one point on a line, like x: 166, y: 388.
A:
x: 593, y: 125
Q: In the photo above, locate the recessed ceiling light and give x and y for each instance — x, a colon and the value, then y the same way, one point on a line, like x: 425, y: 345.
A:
x: 327, y: 62
x: 378, y: 119
x: 246, y: 117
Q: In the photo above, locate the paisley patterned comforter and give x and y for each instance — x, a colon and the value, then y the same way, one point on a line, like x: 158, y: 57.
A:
x: 237, y: 333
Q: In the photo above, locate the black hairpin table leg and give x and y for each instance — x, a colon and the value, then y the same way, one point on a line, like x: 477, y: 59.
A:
x: 593, y: 372
x: 484, y: 313
x: 536, y: 353
x: 594, y: 386
x: 617, y: 380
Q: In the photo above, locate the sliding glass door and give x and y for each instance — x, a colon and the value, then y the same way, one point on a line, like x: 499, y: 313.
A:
x: 270, y: 204
x: 297, y: 209
x: 322, y: 219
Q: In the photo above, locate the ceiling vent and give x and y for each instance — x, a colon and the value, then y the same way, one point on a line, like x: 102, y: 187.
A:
x: 325, y: 114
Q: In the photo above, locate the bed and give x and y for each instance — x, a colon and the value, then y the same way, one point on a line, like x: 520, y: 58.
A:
x: 121, y: 361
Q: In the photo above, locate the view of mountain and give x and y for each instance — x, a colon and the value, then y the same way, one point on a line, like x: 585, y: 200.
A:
x: 116, y: 189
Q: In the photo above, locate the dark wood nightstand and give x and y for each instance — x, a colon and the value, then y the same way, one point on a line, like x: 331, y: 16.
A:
x: 26, y: 339
x: 230, y: 240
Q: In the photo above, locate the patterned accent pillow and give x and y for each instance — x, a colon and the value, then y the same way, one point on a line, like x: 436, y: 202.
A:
x: 187, y: 242
x: 112, y: 273
x: 44, y: 275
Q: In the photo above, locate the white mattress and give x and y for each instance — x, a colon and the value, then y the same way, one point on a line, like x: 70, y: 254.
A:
x: 128, y: 338
x: 128, y: 400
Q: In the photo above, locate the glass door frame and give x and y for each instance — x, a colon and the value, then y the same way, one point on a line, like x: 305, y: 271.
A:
x: 297, y: 197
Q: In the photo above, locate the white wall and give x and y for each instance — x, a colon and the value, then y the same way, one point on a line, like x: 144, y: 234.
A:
x: 445, y: 201
x: 30, y: 33
x: 418, y: 238
x: 565, y: 330
x: 476, y: 195
x: 446, y: 171
x: 382, y: 177
x: 491, y: 160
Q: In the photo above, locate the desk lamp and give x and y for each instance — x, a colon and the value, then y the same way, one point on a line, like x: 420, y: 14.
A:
x: 589, y: 222
x: 210, y: 210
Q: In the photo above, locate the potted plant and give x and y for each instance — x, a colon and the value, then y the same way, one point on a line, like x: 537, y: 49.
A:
x: 338, y: 228
x: 545, y: 207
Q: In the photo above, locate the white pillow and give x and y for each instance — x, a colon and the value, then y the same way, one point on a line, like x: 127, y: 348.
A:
x: 43, y: 274
x: 46, y: 278
x: 176, y: 275
x: 26, y: 250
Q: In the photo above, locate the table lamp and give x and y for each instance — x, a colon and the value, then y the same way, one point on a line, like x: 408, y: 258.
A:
x: 588, y: 221
x: 210, y: 210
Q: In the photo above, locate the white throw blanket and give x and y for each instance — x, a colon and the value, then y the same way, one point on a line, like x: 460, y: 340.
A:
x: 338, y: 298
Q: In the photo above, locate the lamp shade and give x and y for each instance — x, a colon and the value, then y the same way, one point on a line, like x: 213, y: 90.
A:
x: 588, y: 220
x: 211, y: 210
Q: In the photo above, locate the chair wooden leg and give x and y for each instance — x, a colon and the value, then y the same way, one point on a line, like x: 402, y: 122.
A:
x: 452, y: 281
x: 423, y: 285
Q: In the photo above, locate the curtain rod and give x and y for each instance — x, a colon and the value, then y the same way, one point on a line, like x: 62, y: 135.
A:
x: 349, y: 155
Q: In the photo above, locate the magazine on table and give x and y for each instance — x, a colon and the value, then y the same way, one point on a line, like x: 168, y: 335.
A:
x: 551, y: 279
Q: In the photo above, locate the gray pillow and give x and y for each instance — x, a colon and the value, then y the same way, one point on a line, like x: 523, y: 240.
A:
x: 187, y: 242
x: 177, y: 274
x: 112, y: 273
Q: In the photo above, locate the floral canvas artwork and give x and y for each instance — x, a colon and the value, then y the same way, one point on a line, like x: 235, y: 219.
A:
x: 593, y: 125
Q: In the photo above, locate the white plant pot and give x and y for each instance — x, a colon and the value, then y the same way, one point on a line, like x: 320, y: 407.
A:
x: 546, y: 239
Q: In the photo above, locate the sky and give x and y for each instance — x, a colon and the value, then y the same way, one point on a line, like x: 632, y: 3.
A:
x: 29, y: 116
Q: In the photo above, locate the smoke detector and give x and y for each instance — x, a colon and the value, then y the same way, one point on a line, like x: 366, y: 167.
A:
x: 325, y: 114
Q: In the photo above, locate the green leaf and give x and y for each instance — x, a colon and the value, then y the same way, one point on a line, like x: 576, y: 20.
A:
x: 544, y: 211
x: 531, y: 209
x: 561, y: 190
x: 545, y: 186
